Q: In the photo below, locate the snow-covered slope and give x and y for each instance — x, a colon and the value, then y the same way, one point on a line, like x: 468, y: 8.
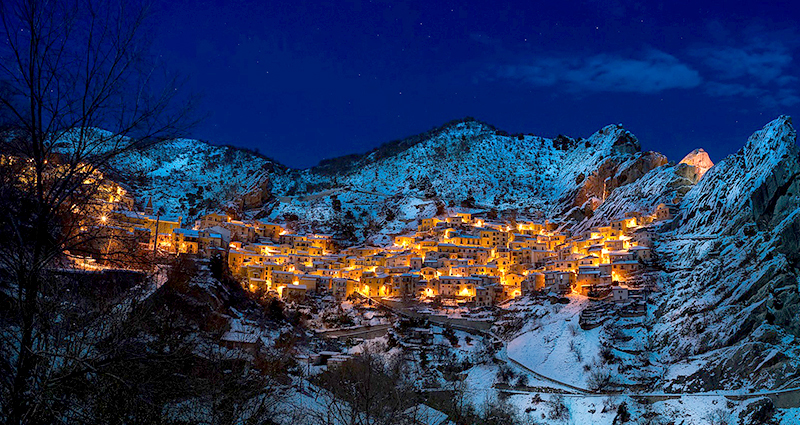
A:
x: 730, y: 302
x: 466, y: 163
x: 472, y: 159
x: 728, y: 266
x: 387, y: 190
x: 726, y: 316
x: 189, y: 177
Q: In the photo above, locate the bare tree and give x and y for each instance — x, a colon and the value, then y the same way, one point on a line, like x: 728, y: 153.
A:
x: 365, y: 390
x: 77, y: 90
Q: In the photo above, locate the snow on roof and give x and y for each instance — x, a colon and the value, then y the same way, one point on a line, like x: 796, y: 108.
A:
x: 427, y: 415
x: 241, y: 337
x: 186, y: 232
x: 267, y: 223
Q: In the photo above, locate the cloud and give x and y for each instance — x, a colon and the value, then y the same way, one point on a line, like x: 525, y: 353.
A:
x: 755, y: 63
x: 651, y: 72
x: 759, y: 68
x: 773, y: 98
x: 765, y: 64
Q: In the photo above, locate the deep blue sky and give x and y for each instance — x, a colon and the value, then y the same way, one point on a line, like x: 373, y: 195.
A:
x: 302, y: 81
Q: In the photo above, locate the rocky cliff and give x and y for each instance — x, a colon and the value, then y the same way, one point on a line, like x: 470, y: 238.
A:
x: 727, y: 317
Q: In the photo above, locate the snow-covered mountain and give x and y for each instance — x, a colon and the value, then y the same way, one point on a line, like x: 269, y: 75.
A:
x: 728, y: 314
x: 189, y: 177
x: 387, y: 190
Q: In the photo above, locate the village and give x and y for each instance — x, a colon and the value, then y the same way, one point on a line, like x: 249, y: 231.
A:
x: 461, y: 258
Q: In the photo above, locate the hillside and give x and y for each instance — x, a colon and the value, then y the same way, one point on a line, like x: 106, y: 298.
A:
x: 725, y: 314
x: 731, y: 271
x: 387, y: 190
x: 189, y: 177
x: 465, y: 164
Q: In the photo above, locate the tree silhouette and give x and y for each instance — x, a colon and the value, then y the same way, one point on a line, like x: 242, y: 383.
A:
x: 77, y: 90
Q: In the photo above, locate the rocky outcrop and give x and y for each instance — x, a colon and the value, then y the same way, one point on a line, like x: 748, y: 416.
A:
x: 258, y: 193
x: 700, y: 160
x: 731, y: 280
x: 615, y: 172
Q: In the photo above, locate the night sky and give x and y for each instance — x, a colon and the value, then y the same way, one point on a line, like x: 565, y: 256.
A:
x: 302, y: 81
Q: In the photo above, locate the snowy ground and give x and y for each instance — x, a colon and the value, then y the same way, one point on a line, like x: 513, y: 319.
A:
x: 557, y: 347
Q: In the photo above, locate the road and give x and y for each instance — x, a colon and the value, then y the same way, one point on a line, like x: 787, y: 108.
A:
x: 328, y: 192
x: 365, y: 332
x: 784, y: 398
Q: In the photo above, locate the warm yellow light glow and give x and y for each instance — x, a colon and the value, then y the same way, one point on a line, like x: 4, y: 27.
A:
x: 103, y: 218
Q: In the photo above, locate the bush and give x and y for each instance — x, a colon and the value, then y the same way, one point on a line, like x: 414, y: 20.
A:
x: 719, y: 417
x: 607, y: 354
x: 182, y: 270
x: 598, y: 379
x: 505, y: 374
x: 622, y: 414
x: 577, y: 351
x: 450, y: 335
x: 558, y: 409
x: 274, y: 309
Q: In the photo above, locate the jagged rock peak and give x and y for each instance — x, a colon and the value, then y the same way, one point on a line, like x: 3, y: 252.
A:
x: 699, y: 159
x: 768, y: 145
x: 621, y: 140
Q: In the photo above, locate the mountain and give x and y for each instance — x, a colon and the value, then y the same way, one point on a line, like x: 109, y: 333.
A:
x: 727, y: 271
x: 473, y: 162
x: 727, y: 263
x: 465, y: 162
x: 730, y: 277
x: 189, y: 177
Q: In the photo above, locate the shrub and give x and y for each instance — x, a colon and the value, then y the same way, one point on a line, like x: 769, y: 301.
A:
x: 622, y: 414
x: 505, y: 374
x: 607, y: 354
x: 558, y: 409
x: 450, y: 335
x: 598, y: 379
x: 181, y: 272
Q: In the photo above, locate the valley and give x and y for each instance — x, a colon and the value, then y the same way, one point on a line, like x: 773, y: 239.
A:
x: 560, y: 279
